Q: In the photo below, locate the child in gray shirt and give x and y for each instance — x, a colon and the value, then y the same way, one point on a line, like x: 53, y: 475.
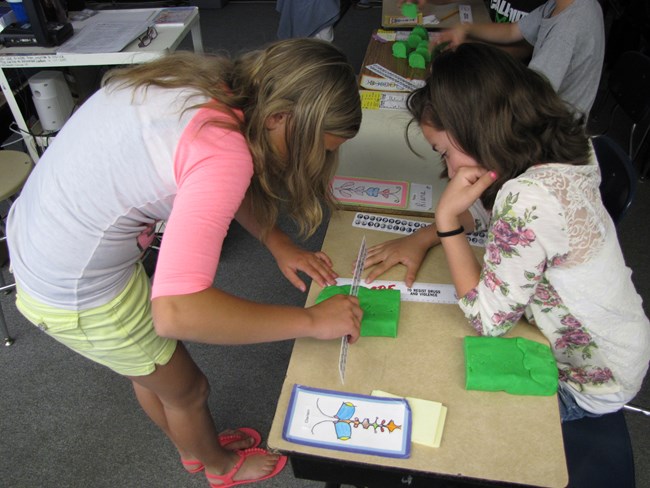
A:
x: 568, y: 39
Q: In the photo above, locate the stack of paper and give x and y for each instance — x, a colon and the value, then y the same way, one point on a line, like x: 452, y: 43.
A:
x: 109, y: 31
x: 174, y: 15
x: 428, y: 419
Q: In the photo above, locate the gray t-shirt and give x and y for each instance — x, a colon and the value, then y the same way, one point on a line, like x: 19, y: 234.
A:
x: 568, y: 49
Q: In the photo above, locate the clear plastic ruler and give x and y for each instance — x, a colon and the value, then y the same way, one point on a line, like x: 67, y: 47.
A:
x: 419, y: 292
x: 390, y: 75
x: 354, y: 291
x: 400, y: 225
x: 358, y: 268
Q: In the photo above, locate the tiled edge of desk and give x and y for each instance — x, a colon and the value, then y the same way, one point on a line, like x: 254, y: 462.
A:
x: 494, y: 436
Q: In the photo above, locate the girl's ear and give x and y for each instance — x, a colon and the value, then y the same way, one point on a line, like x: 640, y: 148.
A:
x: 275, y: 121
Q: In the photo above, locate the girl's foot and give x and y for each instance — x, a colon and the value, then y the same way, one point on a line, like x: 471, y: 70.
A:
x: 231, y: 440
x: 252, y: 465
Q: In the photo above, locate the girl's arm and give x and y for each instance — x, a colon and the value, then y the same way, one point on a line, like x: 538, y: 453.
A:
x: 528, y: 233
x: 213, y: 169
x: 215, y: 317
x: 495, y: 33
x: 409, y: 251
x: 463, y: 190
x: 290, y: 257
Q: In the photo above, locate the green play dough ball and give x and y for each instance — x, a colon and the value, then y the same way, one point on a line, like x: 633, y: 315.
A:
x: 400, y: 49
x: 416, y: 60
x: 421, y: 32
x: 409, y: 10
x: 424, y: 52
x: 413, y: 40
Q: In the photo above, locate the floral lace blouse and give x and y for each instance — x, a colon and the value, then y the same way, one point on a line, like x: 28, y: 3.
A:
x: 553, y: 256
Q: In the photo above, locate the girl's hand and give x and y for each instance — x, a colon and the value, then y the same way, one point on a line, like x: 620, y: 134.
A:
x: 461, y: 192
x: 409, y: 251
x: 455, y: 36
x: 336, y: 317
x: 292, y: 258
x: 421, y: 3
x: 316, y: 265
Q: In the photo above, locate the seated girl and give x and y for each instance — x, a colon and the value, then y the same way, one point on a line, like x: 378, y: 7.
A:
x: 511, y: 145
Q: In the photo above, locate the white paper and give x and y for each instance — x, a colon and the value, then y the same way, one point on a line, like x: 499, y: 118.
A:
x: 421, y: 197
x: 109, y: 32
x: 420, y: 292
x: 465, y: 12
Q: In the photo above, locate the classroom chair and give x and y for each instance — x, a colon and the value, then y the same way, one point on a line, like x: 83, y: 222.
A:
x: 629, y: 85
x: 599, y: 452
x: 15, y: 167
x: 619, y: 177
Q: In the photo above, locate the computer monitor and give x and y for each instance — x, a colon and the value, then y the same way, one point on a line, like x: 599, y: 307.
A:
x: 48, y: 25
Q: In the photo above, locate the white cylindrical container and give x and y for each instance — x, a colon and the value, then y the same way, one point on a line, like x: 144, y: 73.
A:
x: 52, y: 99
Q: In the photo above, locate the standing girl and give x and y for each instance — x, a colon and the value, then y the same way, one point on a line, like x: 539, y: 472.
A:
x: 511, y: 145
x: 194, y: 141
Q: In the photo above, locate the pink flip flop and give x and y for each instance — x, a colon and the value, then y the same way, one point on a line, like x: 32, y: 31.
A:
x: 194, y: 465
x: 227, y: 479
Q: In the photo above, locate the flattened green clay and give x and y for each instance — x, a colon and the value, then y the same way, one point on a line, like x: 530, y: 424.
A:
x: 515, y: 365
x: 380, y: 309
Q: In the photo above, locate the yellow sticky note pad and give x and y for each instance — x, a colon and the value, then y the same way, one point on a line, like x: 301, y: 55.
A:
x: 370, y: 99
x: 428, y: 419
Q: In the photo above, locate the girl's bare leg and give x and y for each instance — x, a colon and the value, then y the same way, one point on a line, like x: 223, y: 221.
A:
x: 153, y: 407
x: 181, y: 411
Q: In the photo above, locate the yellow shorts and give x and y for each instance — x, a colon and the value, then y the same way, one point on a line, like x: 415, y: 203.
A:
x: 119, y: 335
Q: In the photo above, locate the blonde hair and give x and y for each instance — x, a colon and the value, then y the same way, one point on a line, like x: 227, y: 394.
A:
x: 308, y: 80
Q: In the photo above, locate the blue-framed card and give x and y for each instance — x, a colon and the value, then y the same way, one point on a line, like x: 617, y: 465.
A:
x: 348, y: 422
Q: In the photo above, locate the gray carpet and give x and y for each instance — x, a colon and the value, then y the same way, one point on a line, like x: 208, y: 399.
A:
x: 66, y: 422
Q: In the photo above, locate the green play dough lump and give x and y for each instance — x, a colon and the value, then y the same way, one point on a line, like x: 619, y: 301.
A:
x: 380, y: 308
x: 413, y: 40
x: 424, y: 52
x: 421, y: 32
x: 416, y: 60
x: 409, y: 10
x: 400, y: 49
x: 516, y: 365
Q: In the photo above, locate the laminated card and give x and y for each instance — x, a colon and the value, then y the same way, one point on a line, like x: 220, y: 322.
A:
x: 349, y: 422
x: 376, y: 193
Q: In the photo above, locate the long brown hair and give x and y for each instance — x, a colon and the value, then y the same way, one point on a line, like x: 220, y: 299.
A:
x: 308, y: 80
x: 504, y: 115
